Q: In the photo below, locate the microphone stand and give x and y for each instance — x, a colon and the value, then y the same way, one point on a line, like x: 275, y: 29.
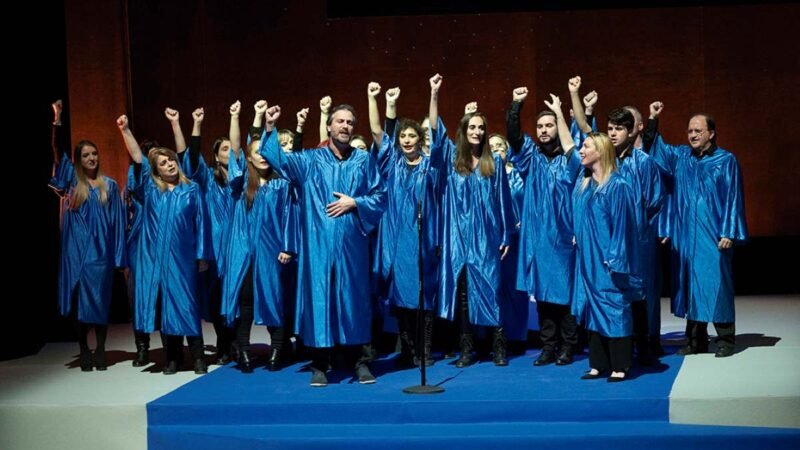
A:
x: 422, y: 388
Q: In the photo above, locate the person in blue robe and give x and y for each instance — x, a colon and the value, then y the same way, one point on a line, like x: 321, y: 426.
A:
x: 259, y: 245
x: 413, y: 188
x: 709, y: 218
x: 514, y: 309
x: 342, y: 198
x: 546, y: 262
x: 173, y: 248
x: 642, y: 174
x: 606, y: 269
x: 477, y: 220
x: 92, y: 239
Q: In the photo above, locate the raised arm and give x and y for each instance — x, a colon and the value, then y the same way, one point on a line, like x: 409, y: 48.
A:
x: 391, y: 110
x: 577, y: 105
x: 291, y: 166
x: 235, y: 132
x: 130, y: 142
x: 567, y: 144
x: 373, y: 89
x: 174, y: 120
x: 513, y: 128
x: 324, y: 112
x: 194, y: 145
x: 57, y: 137
x: 258, y: 120
x: 471, y: 107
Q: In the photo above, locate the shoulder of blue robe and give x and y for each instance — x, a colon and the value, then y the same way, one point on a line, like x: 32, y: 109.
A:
x: 370, y: 206
x: 734, y: 221
x: 291, y: 166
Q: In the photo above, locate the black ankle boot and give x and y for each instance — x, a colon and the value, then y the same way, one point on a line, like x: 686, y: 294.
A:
x: 274, y: 363
x: 86, y: 360
x: 244, y: 362
x: 499, y: 347
x: 406, y: 357
x: 466, y: 358
x: 100, y: 359
x: 142, y: 355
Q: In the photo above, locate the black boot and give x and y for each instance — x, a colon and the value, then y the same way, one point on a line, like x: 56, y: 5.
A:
x: 499, y: 347
x: 466, y: 358
x: 244, y: 361
x: 142, y: 349
x: 86, y: 360
x: 83, y: 343
x: 274, y: 363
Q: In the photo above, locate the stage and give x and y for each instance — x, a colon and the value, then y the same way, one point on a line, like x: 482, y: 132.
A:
x: 750, y: 400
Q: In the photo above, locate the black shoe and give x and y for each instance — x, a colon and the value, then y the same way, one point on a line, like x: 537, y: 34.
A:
x: 200, y: 366
x: 564, y: 358
x: 591, y: 376
x: 171, y: 368
x: 318, y: 378
x: 611, y: 379
x: 466, y: 358
x: 546, y: 357
x: 220, y: 359
x: 244, y: 362
x: 142, y: 357
x: 86, y: 361
x: 499, y: 345
x: 364, y: 375
x: 687, y: 350
x: 724, y: 351
x: 274, y: 362
x: 100, y: 359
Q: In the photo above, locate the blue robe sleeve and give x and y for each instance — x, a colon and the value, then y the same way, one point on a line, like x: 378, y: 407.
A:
x: 63, y: 174
x: 664, y: 154
x: 203, y: 228
x: 290, y: 222
x: 507, y: 215
x: 370, y: 207
x: 653, y: 192
x: 734, y: 226
x: 621, y: 250
x: 116, y: 211
x: 291, y: 166
x: 442, y: 148
x: 522, y: 158
x: 385, y: 155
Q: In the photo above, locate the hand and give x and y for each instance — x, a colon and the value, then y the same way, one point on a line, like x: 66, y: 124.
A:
x: 284, y: 258
x: 519, y: 94
x: 503, y: 251
x: 554, y: 104
x: 725, y: 244
x: 436, y: 83
x: 272, y: 114
x: 236, y: 108
x: 590, y: 100
x: 655, y: 109
x: 325, y: 104
x: 574, y: 84
x: 58, y: 106
x: 373, y: 89
x: 341, y: 206
x: 302, y: 115
x: 198, y: 115
x: 122, y: 122
x: 172, y: 115
x: 392, y: 95
x: 260, y: 107
x: 470, y: 108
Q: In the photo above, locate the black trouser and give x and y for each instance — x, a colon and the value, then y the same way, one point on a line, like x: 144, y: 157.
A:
x: 225, y: 335
x: 244, y: 323
x: 141, y: 338
x: 557, y: 326
x: 697, y: 332
x: 640, y: 332
x: 609, y: 353
x: 462, y: 309
x: 353, y: 354
x: 173, y: 344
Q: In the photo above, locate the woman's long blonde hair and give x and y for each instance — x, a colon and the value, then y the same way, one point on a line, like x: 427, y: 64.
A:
x: 152, y: 157
x: 608, y: 159
x: 80, y: 193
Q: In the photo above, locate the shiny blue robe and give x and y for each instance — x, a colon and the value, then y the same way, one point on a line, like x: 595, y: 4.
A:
x: 642, y: 174
x: 547, y: 256
x: 175, y: 235
x: 92, y: 245
x: 606, y: 237
x: 133, y: 215
x: 333, y: 303
x: 477, y: 218
x: 709, y: 205
x: 398, y: 237
x: 515, y: 305
x: 255, y: 238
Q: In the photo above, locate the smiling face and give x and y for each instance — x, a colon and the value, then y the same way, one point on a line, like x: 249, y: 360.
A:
x: 499, y: 147
x: 698, y: 133
x: 476, y: 130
